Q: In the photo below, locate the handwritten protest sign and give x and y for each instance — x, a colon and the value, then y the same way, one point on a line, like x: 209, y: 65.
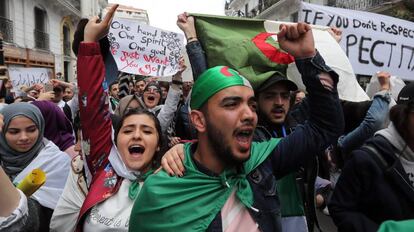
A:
x: 141, y: 49
x: 371, y: 41
x: 27, y: 76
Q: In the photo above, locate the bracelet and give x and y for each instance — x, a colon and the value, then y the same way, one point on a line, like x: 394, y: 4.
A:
x: 177, y: 82
x: 190, y: 38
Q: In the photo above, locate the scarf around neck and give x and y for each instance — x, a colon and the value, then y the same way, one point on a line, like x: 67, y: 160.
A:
x: 12, y: 161
x: 121, y: 170
x: 192, y: 202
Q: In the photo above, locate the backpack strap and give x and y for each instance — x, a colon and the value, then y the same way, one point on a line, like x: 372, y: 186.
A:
x: 377, y: 156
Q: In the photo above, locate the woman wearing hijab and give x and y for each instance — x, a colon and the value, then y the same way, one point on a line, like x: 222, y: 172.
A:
x: 24, y: 148
x: 118, y: 165
x: 377, y: 183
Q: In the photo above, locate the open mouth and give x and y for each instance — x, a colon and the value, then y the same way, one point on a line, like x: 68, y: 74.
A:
x: 278, y: 111
x: 151, y: 98
x: 136, y: 150
x: 244, y: 138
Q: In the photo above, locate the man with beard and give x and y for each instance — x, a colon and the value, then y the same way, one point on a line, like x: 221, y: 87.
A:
x: 229, y: 182
x: 273, y: 106
x: 139, y: 86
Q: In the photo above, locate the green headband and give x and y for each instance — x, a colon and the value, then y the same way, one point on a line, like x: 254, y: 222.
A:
x: 212, y: 81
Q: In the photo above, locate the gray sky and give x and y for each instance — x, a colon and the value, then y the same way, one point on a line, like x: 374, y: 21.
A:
x: 163, y: 13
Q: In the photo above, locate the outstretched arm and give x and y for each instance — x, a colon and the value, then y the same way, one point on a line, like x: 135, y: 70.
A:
x: 373, y: 121
x: 326, y: 121
x: 94, y: 108
x: 195, y: 52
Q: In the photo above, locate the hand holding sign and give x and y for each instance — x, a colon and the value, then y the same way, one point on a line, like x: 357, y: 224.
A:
x: 297, y: 40
x: 182, y: 65
x: 95, y: 30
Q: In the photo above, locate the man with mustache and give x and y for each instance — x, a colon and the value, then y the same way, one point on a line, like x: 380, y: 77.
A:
x: 229, y: 182
x: 273, y: 101
x: 273, y: 98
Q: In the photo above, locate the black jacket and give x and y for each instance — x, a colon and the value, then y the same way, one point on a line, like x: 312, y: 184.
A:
x: 323, y: 128
x: 368, y: 193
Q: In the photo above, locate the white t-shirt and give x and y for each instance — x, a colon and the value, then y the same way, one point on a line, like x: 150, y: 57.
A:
x: 113, y: 213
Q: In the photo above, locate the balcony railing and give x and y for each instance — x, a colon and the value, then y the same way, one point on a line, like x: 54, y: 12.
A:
x: 41, y: 39
x: 6, y: 28
x: 66, y: 48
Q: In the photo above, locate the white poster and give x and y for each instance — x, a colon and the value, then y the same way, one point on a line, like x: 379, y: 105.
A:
x: 27, y: 76
x: 371, y: 41
x: 141, y: 49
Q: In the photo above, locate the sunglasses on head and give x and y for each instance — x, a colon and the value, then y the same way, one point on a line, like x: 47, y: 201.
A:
x: 152, y: 89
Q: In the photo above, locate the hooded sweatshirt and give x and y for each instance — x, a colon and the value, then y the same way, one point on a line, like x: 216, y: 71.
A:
x: 405, y: 154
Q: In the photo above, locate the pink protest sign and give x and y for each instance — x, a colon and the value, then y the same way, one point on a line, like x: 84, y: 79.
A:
x: 141, y: 49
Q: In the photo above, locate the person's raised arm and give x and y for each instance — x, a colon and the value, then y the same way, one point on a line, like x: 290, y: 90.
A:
x: 326, y: 121
x: 374, y: 120
x: 167, y: 112
x: 195, y: 52
x: 94, y: 107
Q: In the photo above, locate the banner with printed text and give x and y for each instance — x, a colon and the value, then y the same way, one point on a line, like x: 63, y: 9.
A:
x: 27, y: 76
x: 371, y: 41
x: 141, y: 49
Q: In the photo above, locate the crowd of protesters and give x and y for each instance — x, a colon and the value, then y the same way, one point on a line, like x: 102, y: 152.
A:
x: 215, y: 154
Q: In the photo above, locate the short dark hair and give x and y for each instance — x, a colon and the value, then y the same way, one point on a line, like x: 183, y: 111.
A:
x: 140, y: 111
x: 399, y: 116
x: 58, y: 89
x: 112, y: 84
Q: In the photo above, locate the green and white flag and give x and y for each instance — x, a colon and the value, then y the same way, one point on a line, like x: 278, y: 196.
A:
x: 250, y: 46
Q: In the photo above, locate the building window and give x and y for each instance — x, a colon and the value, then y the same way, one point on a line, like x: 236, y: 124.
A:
x: 6, y: 25
x: 66, y: 40
x: 40, y: 33
x: 66, y: 65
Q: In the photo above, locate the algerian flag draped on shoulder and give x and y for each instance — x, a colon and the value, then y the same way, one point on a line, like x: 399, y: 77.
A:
x: 250, y: 46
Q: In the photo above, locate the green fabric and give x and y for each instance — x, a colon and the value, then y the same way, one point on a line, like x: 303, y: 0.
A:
x: 290, y: 198
x: 191, y: 203
x: 394, y: 226
x: 229, y: 41
x: 212, y: 81
x: 134, y: 188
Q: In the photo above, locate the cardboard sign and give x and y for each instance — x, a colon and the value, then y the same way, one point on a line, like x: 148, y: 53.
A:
x: 141, y: 49
x: 372, y: 42
x: 27, y: 77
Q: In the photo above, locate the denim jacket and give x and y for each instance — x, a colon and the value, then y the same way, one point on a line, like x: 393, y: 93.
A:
x: 324, y: 126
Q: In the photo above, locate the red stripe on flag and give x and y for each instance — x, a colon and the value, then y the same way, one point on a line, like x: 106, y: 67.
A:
x: 270, y: 51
